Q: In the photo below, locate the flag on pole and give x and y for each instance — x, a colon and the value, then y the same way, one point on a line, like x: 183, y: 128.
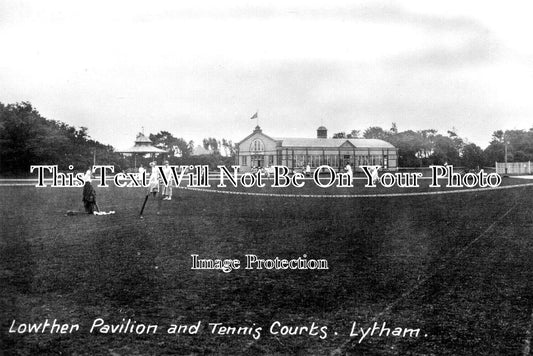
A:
x: 254, y: 116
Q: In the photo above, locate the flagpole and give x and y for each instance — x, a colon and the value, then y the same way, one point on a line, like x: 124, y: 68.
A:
x: 256, y: 117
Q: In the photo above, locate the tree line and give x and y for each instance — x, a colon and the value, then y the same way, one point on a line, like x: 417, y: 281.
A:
x: 428, y: 147
x: 27, y: 138
x: 178, y: 147
x: 181, y: 152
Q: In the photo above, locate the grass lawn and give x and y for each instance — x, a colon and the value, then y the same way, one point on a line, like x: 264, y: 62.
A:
x: 458, y: 266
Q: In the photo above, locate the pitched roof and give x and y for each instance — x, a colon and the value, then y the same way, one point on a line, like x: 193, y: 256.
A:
x: 256, y: 133
x: 141, y: 138
x: 142, y: 149
x: 333, y: 142
x: 200, y: 150
x: 142, y: 145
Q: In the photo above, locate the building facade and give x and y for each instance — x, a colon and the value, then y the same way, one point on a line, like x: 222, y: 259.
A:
x: 261, y: 150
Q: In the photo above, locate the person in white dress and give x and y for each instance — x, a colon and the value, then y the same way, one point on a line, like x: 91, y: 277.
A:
x: 141, y: 171
x: 153, y: 183
x: 348, y: 169
x: 167, y: 190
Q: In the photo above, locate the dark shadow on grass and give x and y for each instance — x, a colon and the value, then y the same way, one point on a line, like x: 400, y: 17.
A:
x: 17, y: 271
x: 17, y: 265
x: 122, y: 269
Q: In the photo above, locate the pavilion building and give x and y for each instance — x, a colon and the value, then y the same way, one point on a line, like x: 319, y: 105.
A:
x: 143, y: 147
x: 261, y: 150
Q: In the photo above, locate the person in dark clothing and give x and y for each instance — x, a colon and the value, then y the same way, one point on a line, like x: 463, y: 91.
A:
x: 89, y: 195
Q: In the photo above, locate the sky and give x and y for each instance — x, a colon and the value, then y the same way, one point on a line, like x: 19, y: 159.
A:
x: 203, y: 68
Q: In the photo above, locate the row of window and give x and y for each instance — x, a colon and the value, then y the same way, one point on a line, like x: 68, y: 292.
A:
x: 301, y: 160
x: 257, y: 145
x: 333, y: 160
x: 258, y: 161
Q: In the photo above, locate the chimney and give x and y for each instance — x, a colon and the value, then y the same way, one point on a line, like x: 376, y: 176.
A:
x: 322, y: 132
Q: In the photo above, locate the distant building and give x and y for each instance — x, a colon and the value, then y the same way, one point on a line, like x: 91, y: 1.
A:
x: 200, y: 150
x: 260, y: 150
x: 143, y: 147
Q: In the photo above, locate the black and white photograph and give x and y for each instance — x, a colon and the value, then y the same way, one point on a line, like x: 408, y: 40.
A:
x: 266, y: 177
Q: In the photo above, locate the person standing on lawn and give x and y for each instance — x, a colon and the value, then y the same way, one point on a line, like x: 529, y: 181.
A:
x: 167, y: 190
x: 141, y: 171
x: 308, y: 170
x: 153, y: 183
x: 153, y: 187
x: 89, y: 195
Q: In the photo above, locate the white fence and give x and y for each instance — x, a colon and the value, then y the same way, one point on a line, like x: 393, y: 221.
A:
x: 513, y: 168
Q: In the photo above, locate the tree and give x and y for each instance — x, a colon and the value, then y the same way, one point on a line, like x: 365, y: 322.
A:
x: 376, y: 132
x: 427, y: 143
x: 354, y: 134
x: 498, y: 136
x: 211, y: 144
x: 184, y: 149
x: 27, y: 138
x: 519, y: 146
x: 394, y: 129
x: 494, y: 152
x: 165, y: 141
x: 339, y: 135
x: 175, y: 146
x: 232, y: 148
x: 409, y: 145
x: 228, y: 147
x: 444, y: 151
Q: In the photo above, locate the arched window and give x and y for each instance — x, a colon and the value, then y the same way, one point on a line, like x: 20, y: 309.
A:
x: 257, y: 145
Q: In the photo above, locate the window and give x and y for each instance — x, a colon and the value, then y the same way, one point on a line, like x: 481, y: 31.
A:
x: 257, y: 145
x: 244, y: 163
x: 332, y: 160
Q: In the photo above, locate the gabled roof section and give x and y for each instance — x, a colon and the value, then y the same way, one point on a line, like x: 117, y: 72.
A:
x: 347, y: 143
x: 143, y: 149
x: 257, y: 134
